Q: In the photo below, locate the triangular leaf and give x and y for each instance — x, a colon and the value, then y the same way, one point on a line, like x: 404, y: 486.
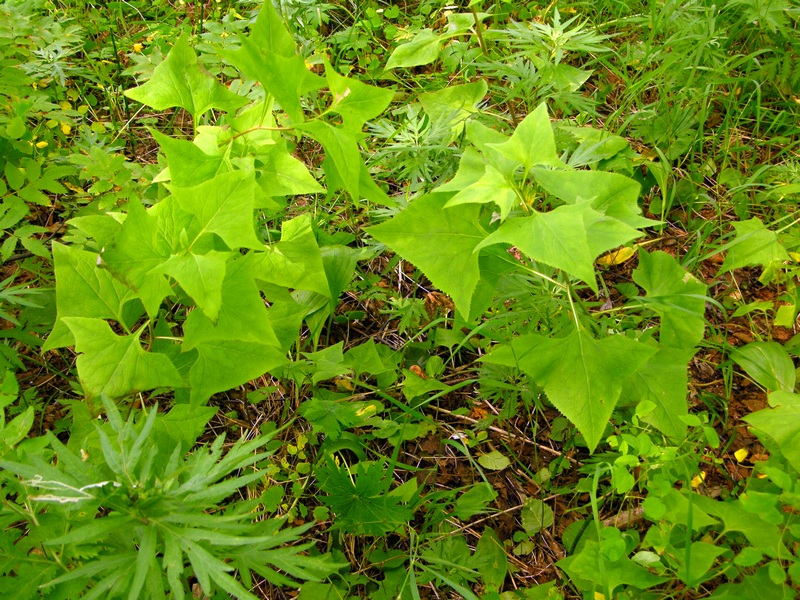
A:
x: 663, y: 380
x: 356, y: 102
x: 223, y: 206
x: 440, y: 241
x: 200, y: 275
x: 612, y: 194
x: 676, y: 295
x: 570, y: 238
x: 180, y: 81
x: 492, y: 187
x: 83, y: 290
x: 582, y: 377
x: 754, y: 245
x: 114, y: 365
x: 532, y: 142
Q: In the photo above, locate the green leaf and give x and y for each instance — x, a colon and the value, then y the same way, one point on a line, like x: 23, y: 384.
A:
x: 780, y: 425
x: 676, y: 295
x: 358, y: 497
x: 83, y: 290
x: 582, y: 377
x: 140, y: 248
x: 474, y: 501
x: 341, y: 154
x: 470, y: 170
x: 440, y: 241
x: 612, y: 194
x: 583, y: 570
x: 224, y: 364
x: 116, y: 366
x: 768, y: 364
x: 754, y: 245
x: 532, y: 142
x: 181, y: 426
x: 201, y: 276
x: 662, y: 380
x: 181, y: 81
x: 331, y: 415
x: 491, y: 187
x: 271, y: 32
x: 242, y: 315
x: 570, y: 238
x: 762, y: 535
x: 421, y: 50
x: 536, y: 515
x: 296, y: 261
x: 281, y: 174
x: 188, y: 164
x: 356, y: 102
x: 493, y: 461
x: 454, y: 104
x: 222, y: 206
x: 490, y: 559
x: 284, y: 76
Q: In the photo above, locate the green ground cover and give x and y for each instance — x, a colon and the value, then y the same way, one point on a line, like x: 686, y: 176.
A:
x: 412, y: 299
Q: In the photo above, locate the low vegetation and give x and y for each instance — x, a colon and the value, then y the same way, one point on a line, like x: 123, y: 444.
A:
x: 410, y: 299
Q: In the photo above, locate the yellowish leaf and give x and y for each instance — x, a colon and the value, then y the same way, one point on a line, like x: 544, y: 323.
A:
x: 616, y: 257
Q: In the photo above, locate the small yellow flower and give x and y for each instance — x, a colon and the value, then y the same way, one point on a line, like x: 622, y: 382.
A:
x: 740, y: 454
x: 65, y: 129
x: 698, y: 480
x: 137, y: 47
x: 41, y: 144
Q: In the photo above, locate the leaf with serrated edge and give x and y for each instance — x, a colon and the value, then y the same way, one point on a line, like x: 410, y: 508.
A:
x: 532, y: 142
x: 582, y: 377
x: 570, y: 238
x: 676, y: 295
x: 492, y: 187
x: 83, y: 290
x: 223, y: 206
x: 114, y: 365
x: 754, y: 245
x: 440, y: 241
x: 180, y: 81
x: 663, y: 380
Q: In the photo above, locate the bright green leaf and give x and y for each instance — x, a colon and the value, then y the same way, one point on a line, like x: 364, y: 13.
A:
x: 421, y: 50
x: 768, y: 364
x: 117, y: 366
x: 754, y: 245
x: 356, y: 102
x: 676, y: 295
x: 662, y: 380
x: 582, y: 377
x: 440, y: 241
x: 83, y: 290
x: 570, y: 238
x: 493, y: 461
x: 780, y: 425
x: 491, y: 187
x: 222, y: 206
x: 181, y: 81
x: 532, y: 142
